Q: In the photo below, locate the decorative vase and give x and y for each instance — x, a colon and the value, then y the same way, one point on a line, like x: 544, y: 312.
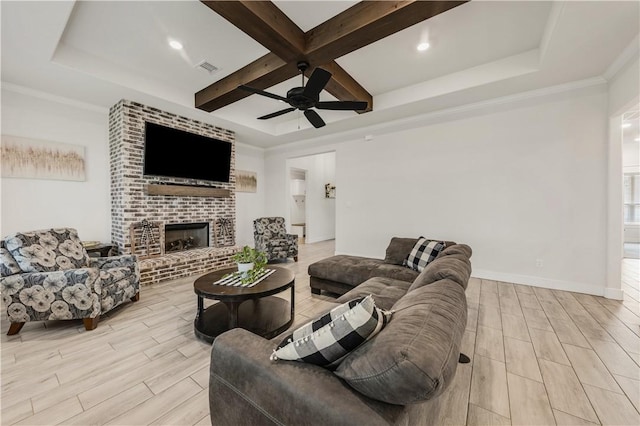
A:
x: 244, y: 268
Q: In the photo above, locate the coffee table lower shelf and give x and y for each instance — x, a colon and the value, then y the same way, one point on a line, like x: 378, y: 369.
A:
x: 265, y: 317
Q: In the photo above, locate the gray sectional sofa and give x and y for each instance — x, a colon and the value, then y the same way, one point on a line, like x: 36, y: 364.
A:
x: 341, y: 273
x: 393, y: 378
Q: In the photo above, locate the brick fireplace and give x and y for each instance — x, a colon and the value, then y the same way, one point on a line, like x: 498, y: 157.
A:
x: 132, y: 201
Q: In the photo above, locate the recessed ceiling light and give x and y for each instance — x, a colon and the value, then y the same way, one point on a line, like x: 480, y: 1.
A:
x: 626, y: 125
x: 422, y: 47
x: 637, y: 139
x: 175, y: 44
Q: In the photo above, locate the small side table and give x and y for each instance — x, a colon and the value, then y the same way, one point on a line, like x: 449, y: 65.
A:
x: 101, y: 249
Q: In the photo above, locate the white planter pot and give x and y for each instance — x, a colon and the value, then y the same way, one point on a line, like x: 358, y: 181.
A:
x: 243, y: 268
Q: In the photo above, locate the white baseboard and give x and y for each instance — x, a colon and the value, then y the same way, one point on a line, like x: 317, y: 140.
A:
x: 545, y: 283
x: 613, y: 293
x: 318, y: 239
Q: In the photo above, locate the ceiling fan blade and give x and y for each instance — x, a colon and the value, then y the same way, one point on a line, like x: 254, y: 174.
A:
x: 262, y: 92
x: 276, y: 114
x: 316, y: 83
x: 343, y: 105
x: 314, y: 118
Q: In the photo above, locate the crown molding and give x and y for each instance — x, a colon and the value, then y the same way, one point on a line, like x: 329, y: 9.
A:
x: 421, y: 120
x: 628, y: 54
x: 16, y: 88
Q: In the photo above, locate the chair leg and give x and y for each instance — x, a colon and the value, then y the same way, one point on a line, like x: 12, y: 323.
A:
x: 15, y: 328
x: 136, y: 297
x: 90, y: 323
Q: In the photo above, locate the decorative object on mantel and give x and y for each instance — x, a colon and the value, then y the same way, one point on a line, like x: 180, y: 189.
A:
x: 40, y: 159
x: 246, y: 181
x: 224, y: 232
x: 144, y: 233
x: 329, y: 191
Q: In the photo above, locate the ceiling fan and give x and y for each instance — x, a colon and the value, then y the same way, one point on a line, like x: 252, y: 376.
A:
x: 306, y: 97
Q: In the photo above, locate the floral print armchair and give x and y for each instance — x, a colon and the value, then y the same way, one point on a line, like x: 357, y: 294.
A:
x: 270, y: 236
x: 48, y: 275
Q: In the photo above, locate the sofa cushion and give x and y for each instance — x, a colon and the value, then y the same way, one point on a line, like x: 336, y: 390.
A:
x: 414, y: 358
x: 454, y: 249
x: 352, y: 270
x: 423, y: 252
x: 328, y: 339
x: 447, y: 267
x: 48, y: 250
x: 385, y: 291
x: 386, y: 270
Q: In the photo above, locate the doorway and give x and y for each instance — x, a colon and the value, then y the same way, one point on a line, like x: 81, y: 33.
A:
x: 312, y: 210
x: 297, y: 203
x: 631, y: 188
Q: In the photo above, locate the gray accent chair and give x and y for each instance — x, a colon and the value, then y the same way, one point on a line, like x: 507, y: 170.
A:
x: 270, y: 236
x: 48, y: 275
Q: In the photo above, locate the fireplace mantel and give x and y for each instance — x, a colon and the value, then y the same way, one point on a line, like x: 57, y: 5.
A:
x: 187, y: 190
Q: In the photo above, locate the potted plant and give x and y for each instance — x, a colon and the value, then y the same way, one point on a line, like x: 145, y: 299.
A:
x: 249, y: 259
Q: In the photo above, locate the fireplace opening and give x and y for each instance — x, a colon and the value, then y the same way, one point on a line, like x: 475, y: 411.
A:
x: 186, y: 236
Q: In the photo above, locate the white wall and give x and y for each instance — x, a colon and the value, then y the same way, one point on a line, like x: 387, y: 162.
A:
x: 523, y: 184
x: 29, y: 204
x: 249, y: 205
x: 320, y: 211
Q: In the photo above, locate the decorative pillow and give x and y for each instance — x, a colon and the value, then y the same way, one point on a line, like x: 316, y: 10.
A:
x: 328, y: 339
x: 423, y: 252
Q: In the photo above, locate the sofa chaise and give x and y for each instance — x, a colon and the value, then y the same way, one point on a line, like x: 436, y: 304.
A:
x: 339, y: 274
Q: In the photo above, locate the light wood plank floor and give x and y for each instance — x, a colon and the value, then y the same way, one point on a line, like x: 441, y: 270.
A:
x: 538, y: 357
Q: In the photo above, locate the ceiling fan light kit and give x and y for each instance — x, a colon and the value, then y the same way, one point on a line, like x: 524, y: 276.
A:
x: 306, y: 97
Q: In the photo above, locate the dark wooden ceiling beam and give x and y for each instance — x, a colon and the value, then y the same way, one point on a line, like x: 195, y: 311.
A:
x: 265, y: 23
x: 263, y: 73
x: 269, y: 26
x: 356, y: 27
x: 367, y: 22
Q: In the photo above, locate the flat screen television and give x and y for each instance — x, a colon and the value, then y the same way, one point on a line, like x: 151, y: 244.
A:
x: 175, y: 153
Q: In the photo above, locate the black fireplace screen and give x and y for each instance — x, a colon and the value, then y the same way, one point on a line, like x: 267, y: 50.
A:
x: 186, y: 236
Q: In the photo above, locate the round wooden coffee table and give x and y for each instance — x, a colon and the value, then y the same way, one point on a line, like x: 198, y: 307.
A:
x: 252, y: 308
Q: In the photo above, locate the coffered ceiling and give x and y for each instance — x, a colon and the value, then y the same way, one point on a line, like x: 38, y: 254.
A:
x: 99, y: 52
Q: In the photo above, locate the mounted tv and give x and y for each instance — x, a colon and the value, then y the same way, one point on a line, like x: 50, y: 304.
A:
x: 175, y: 153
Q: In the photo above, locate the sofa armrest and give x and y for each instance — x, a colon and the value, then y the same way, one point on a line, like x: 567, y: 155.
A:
x: 246, y: 387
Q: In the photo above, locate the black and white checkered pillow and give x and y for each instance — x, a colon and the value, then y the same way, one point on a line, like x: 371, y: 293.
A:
x: 423, y: 253
x: 328, y: 339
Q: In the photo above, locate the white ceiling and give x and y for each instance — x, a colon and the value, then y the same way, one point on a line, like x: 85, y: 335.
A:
x: 100, y: 52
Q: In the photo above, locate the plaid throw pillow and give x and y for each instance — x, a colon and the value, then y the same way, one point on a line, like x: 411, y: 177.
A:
x: 328, y: 339
x: 423, y: 253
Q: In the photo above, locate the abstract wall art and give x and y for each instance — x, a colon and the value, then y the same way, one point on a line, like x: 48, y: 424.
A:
x: 246, y: 181
x: 40, y: 159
